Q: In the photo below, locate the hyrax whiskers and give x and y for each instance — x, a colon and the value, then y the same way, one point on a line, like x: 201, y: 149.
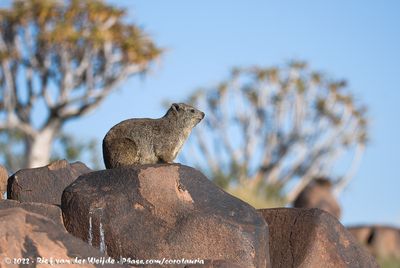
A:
x: 149, y: 141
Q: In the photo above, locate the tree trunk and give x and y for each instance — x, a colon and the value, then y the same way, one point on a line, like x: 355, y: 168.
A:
x: 40, y: 146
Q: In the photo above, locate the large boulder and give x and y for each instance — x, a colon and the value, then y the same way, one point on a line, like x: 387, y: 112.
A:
x: 312, y: 238
x: 382, y: 241
x: 29, y: 239
x: 164, y: 210
x: 3, y: 181
x: 50, y: 211
x: 44, y: 184
x: 318, y: 194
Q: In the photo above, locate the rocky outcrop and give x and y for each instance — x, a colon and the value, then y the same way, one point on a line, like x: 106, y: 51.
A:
x: 44, y: 184
x: 318, y: 194
x: 50, y: 211
x: 28, y: 240
x: 153, y: 211
x: 382, y: 241
x: 312, y: 238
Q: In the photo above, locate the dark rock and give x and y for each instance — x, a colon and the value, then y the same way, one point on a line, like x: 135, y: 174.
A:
x: 3, y: 181
x: 169, y: 210
x: 318, y: 194
x: 26, y: 235
x: 312, y: 238
x: 50, y: 211
x: 382, y: 241
x: 44, y: 184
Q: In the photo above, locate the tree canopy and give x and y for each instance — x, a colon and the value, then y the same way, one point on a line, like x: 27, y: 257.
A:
x: 65, y: 57
x: 269, y: 131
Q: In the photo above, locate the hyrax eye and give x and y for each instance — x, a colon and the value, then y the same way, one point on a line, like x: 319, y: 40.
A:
x: 192, y: 110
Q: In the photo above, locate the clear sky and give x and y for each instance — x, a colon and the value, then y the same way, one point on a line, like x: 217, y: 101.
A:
x: 355, y: 40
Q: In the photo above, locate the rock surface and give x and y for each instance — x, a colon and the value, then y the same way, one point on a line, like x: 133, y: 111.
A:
x: 318, y: 194
x: 381, y: 241
x: 50, y: 211
x: 26, y: 236
x: 3, y: 180
x: 312, y: 238
x: 44, y: 184
x: 215, y: 264
x: 165, y: 210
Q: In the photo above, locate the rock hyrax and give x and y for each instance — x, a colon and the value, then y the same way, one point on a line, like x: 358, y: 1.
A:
x: 149, y: 141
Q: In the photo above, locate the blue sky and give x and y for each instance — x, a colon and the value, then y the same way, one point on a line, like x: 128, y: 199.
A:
x: 355, y: 40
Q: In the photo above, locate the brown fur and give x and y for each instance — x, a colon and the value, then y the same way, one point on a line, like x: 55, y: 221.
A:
x: 149, y: 141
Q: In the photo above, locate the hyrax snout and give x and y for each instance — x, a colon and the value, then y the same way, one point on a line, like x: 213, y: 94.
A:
x: 149, y: 141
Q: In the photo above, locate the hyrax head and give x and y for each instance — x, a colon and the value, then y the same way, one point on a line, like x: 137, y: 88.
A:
x: 186, y: 113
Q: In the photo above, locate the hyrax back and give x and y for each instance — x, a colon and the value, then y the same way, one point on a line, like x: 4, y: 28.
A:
x: 150, y: 141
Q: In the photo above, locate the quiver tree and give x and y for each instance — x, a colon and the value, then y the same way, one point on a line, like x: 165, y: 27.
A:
x: 269, y: 131
x: 65, y: 146
x: 63, y: 58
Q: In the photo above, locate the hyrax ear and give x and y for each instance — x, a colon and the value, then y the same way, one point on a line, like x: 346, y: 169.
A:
x: 175, y: 106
